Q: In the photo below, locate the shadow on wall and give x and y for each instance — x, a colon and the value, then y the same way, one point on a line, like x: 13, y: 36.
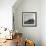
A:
x: 17, y: 4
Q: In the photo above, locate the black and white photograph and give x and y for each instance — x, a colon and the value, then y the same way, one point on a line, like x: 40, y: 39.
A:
x: 29, y: 19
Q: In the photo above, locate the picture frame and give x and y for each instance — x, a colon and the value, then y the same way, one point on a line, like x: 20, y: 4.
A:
x: 13, y: 22
x: 29, y: 19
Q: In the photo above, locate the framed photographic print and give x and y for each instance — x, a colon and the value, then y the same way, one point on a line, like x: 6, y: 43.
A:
x: 29, y: 19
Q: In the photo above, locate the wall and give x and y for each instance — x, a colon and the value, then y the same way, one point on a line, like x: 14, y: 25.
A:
x: 6, y: 18
x: 43, y: 22
x: 33, y: 33
x: 6, y: 13
x: 38, y: 34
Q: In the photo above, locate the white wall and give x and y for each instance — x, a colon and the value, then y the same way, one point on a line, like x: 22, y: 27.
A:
x: 34, y: 33
x: 6, y: 13
x: 34, y: 5
x: 43, y: 22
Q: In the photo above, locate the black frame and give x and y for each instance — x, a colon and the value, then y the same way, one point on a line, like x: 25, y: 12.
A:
x: 35, y: 19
